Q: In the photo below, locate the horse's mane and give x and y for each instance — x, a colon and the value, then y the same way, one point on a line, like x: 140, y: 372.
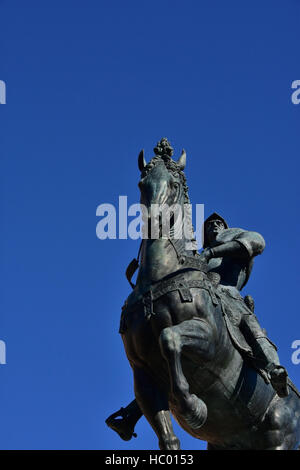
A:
x: 172, y: 167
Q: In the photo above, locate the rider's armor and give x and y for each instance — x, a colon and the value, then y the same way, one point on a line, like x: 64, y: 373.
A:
x: 234, y: 271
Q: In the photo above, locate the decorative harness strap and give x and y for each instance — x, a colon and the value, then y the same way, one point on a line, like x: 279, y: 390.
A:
x: 133, y: 266
x: 186, y: 261
x: 183, y: 286
x: 179, y: 248
x: 176, y: 282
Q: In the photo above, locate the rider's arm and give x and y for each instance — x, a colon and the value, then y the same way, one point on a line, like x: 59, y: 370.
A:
x: 233, y: 249
x: 253, y: 242
x: 244, y: 245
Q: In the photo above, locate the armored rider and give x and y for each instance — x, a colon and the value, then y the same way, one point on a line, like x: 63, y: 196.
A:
x: 229, y: 253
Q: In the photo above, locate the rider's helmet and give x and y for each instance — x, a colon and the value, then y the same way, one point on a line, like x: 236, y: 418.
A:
x: 213, y: 216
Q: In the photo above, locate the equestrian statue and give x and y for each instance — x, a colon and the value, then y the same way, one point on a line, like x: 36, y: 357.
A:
x: 193, y: 341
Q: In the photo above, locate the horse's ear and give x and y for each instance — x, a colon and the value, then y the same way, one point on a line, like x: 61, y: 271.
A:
x: 141, y: 160
x: 182, y: 160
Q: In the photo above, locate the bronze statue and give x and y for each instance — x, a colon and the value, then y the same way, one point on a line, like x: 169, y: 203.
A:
x: 194, y: 343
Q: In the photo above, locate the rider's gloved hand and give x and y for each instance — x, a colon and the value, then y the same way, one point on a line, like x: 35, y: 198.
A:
x: 206, y: 254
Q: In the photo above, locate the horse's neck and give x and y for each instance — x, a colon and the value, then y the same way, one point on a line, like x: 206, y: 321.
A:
x: 160, y: 258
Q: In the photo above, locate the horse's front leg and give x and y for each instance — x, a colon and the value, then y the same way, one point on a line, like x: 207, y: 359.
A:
x: 195, y: 337
x: 154, y: 405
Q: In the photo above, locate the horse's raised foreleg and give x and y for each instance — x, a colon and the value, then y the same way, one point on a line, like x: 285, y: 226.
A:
x: 194, y: 336
x: 154, y: 406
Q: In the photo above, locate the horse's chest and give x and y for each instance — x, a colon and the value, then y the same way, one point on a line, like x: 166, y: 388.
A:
x: 140, y: 331
x: 138, y: 336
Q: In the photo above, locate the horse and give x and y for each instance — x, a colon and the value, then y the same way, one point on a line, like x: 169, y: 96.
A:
x: 182, y: 356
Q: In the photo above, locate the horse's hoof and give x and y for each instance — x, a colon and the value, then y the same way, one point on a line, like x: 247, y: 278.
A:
x: 121, y: 427
x: 172, y: 443
x: 194, y: 412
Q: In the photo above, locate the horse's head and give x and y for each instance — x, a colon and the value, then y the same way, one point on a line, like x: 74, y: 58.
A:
x: 162, y: 183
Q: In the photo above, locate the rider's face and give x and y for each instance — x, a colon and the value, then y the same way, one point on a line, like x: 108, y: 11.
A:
x: 213, y: 228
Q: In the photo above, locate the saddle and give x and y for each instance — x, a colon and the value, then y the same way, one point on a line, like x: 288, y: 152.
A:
x: 233, y: 308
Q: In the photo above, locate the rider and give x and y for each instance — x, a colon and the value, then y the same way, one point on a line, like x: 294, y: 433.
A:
x: 229, y: 253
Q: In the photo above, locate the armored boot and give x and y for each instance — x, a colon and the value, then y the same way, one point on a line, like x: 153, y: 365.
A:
x: 276, y: 373
x: 265, y: 352
x: 124, y: 420
x: 279, y: 380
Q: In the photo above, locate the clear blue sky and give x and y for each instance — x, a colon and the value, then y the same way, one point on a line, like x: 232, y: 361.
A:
x: 90, y: 83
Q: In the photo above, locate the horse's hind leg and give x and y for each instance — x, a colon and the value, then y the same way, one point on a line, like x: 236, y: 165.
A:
x: 154, y: 406
x: 194, y: 336
x: 280, y: 429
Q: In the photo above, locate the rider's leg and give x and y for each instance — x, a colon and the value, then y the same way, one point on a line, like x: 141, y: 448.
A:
x: 266, y: 353
x: 124, y: 420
